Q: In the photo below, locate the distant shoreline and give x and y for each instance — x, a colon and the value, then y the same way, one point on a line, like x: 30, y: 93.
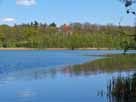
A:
x: 57, y: 49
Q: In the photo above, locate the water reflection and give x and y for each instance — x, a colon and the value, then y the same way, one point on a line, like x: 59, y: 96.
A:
x: 114, y: 63
x: 78, y: 83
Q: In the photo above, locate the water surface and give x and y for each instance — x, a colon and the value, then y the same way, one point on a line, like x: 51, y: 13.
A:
x: 51, y: 76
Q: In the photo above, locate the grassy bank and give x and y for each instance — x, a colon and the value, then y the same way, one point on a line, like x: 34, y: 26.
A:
x: 55, y: 49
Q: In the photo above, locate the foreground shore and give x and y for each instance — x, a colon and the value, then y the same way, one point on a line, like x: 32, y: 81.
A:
x: 56, y: 49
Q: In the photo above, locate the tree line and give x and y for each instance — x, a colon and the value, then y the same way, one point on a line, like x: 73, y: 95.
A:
x: 74, y: 35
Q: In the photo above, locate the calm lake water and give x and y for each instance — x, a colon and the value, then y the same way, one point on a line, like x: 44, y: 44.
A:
x: 45, y: 76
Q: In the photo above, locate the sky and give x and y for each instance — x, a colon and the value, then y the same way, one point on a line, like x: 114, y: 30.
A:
x: 64, y: 11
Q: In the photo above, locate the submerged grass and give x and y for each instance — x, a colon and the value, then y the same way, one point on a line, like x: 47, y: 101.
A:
x: 111, y: 63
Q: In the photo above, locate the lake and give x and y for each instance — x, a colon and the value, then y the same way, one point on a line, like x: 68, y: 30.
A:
x: 60, y: 76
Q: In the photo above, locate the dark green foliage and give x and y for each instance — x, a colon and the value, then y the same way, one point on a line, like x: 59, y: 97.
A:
x: 52, y: 24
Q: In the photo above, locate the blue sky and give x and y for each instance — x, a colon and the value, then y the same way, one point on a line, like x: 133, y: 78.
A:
x: 63, y: 11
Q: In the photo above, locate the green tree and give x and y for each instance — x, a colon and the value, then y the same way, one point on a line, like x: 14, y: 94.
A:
x: 53, y: 24
x: 129, y: 10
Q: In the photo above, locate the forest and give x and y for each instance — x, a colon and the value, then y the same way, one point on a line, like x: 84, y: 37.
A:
x: 74, y: 35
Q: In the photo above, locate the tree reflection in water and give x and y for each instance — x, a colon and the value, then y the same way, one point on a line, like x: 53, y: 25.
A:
x: 111, y: 64
x: 122, y: 89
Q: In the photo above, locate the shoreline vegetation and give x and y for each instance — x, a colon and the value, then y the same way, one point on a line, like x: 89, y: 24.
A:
x: 67, y: 36
x: 57, y: 49
x: 122, y: 89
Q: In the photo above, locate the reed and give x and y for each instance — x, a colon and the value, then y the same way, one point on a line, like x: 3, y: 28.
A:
x: 122, y: 89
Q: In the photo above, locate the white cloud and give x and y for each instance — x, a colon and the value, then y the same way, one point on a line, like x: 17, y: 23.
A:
x: 8, y: 19
x: 26, y: 2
